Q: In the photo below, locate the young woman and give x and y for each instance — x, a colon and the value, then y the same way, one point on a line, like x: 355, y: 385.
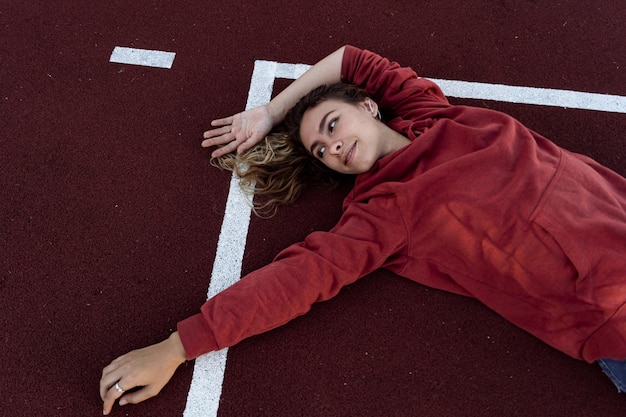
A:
x: 462, y: 199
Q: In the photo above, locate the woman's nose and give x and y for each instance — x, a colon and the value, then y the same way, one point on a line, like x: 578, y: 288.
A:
x: 335, y: 147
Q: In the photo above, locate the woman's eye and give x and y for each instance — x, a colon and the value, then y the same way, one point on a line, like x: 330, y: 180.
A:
x: 331, y: 125
x: 320, y: 151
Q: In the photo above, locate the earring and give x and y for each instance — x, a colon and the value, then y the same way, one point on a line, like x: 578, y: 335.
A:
x: 377, y: 113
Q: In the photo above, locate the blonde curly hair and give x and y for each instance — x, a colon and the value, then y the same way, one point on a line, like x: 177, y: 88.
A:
x: 277, y: 169
x: 275, y: 172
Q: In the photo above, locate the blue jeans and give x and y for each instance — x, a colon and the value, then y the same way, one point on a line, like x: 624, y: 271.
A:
x: 616, y: 371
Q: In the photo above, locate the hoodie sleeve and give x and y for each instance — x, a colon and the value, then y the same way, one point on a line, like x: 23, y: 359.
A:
x: 301, y: 275
x: 398, y: 90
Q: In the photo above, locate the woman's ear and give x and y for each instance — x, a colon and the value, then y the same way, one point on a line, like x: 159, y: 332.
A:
x: 372, y: 106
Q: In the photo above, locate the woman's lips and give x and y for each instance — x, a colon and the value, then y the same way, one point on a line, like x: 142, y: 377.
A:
x: 350, y: 155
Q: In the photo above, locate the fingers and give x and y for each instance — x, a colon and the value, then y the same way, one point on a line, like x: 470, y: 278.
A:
x: 239, y: 132
x: 218, y: 136
x: 248, y: 143
x: 229, y: 135
x: 112, y: 391
x: 111, y: 386
x: 142, y: 373
x: 221, y: 131
x: 134, y: 397
x: 232, y: 146
x: 108, y: 379
x: 111, y: 394
x: 223, y: 122
x: 233, y: 138
x: 115, y: 382
x: 138, y: 396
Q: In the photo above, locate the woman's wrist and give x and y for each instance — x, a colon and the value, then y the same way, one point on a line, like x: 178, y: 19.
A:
x: 176, y: 348
x: 326, y: 71
x: 276, y: 112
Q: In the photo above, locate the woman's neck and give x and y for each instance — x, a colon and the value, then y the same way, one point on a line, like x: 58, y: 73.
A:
x: 393, y: 140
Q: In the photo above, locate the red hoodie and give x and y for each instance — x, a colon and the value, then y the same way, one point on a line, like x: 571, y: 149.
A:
x: 478, y: 205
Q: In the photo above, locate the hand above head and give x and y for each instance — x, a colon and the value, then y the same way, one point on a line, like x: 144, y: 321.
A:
x: 147, y: 369
x: 239, y: 132
x: 244, y: 130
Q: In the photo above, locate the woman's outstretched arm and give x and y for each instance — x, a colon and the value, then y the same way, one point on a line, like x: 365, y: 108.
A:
x: 243, y: 130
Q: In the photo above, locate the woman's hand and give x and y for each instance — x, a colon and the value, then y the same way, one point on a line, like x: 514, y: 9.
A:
x: 244, y: 130
x: 149, y: 369
x: 239, y: 132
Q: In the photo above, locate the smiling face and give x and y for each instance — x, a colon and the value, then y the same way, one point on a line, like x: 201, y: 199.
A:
x: 347, y: 138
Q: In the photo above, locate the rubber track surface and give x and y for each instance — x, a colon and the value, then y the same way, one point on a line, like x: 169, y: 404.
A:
x: 110, y: 211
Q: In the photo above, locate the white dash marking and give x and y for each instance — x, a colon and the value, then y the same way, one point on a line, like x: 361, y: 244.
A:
x: 143, y: 57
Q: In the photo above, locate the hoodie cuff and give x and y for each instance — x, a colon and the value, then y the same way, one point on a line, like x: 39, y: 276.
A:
x: 196, y: 336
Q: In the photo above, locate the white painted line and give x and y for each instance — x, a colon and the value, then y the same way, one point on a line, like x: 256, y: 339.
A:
x: 290, y: 71
x: 507, y: 93
x: 533, y: 95
x: 143, y: 57
x: 208, y: 376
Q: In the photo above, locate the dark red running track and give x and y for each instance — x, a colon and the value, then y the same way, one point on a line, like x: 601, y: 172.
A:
x: 110, y: 212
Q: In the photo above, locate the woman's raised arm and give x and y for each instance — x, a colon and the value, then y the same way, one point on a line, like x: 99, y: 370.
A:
x: 243, y: 130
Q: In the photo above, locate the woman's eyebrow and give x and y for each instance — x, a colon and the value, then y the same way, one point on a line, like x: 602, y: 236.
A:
x: 323, y: 122
x: 320, y: 130
x: 312, y: 148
